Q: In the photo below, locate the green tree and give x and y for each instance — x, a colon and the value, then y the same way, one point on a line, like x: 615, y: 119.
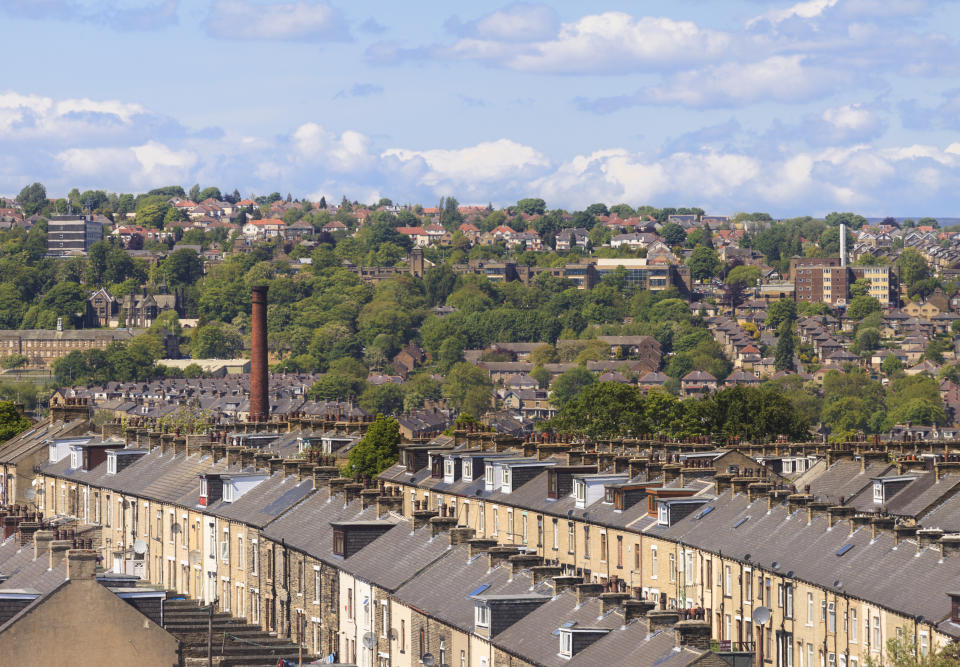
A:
x: 377, y: 450
x: 779, y: 311
x: 461, y: 378
x: 745, y: 275
x: 419, y: 389
x: 542, y: 376
x: 532, y: 206
x: 216, y: 341
x: 32, y: 198
x: 862, y: 306
x: 570, y: 383
x: 860, y: 287
x: 67, y: 300
x: 704, y: 263
x: 11, y: 421
x: 903, y: 653
x: 384, y: 399
x: 673, y: 234
x: 182, y: 267
x: 546, y: 354
x: 913, y: 266
x: 783, y: 357
x: 891, y: 365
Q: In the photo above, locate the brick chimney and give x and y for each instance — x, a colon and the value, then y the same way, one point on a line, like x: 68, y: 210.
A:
x: 949, y: 545
x: 561, y: 584
x: 59, y: 549
x: 541, y: 573
x: 928, y: 537
x: 636, y: 609
x: 523, y: 562
x: 81, y: 564
x: 479, y: 545
x: 901, y: 532
x: 692, y: 633
x: 587, y: 591
x: 461, y: 535
x: 497, y: 555
x: 259, y: 383
x: 612, y: 600
x: 441, y: 524
x: 662, y: 618
x: 41, y: 542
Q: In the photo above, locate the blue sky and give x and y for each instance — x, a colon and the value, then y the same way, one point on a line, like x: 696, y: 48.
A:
x: 788, y: 107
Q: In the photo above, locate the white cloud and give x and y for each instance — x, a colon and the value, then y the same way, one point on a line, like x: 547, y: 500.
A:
x: 146, y: 166
x: 778, y: 78
x: 519, y: 22
x: 348, y: 152
x: 803, y: 10
x: 302, y: 20
x: 484, y: 163
x: 605, y: 43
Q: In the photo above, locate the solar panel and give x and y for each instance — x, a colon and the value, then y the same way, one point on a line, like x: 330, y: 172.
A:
x: 478, y: 590
x: 845, y: 549
x: 741, y: 522
x: 704, y: 512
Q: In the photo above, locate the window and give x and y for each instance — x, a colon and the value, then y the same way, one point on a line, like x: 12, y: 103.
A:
x: 809, y: 608
x: 831, y: 660
x: 339, y: 542
x: 832, y: 617
x: 603, y: 547
x: 653, y: 562
x: 213, y: 540
x: 877, y: 638
x: 496, y: 520
x: 788, y: 601
x: 924, y: 642
x: 112, y: 464
x: 727, y: 627
x: 727, y: 583
x: 316, y: 584
x: 254, y: 556
x: 523, y: 528
x: 556, y: 534
x: 539, y: 531
x: 853, y: 625
x: 586, y: 542
x: 566, y: 644
x: 823, y: 611
x: 688, y: 571
x: 403, y: 636
x: 619, y: 550
x: 673, y: 567
x: 350, y: 603
x: 636, y: 557
x: 241, y: 556
x: 482, y: 615
x: 663, y: 515
x: 571, y: 538
x: 509, y: 521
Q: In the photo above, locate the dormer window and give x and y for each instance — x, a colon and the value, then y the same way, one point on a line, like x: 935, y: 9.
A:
x: 75, y: 459
x: 482, y: 615
x: 489, y: 481
x: 228, y: 492
x: 111, y: 464
x: 954, y: 607
x: 449, y: 466
x: 878, y: 492
x: 566, y: 644
x: 467, y: 473
x: 204, y: 490
x: 663, y: 514
x: 339, y: 542
x: 506, y: 477
x: 579, y: 491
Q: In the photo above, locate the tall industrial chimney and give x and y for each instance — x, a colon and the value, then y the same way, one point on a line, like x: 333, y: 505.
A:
x: 843, y: 245
x: 259, y: 387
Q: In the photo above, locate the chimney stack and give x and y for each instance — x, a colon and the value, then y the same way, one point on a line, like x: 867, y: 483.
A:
x: 259, y: 384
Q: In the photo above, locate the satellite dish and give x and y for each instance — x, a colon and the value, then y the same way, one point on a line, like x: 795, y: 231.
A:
x: 30, y: 494
x: 140, y: 547
x: 761, y: 615
x: 195, y: 557
x: 427, y: 659
x: 393, y: 634
x: 776, y: 565
x: 175, y: 529
x: 838, y: 584
x: 369, y: 640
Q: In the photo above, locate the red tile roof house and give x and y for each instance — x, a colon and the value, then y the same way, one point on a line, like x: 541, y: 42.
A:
x: 266, y: 228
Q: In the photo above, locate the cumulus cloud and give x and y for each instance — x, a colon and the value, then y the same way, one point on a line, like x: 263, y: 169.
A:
x: 804, y: 10
x: 715, y: 167
x: 778, y: 79
x: 520, y: 22
x: 294, y: 21
x: 130, y: 15
x: 146, y: 166
x: 528, y: 38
